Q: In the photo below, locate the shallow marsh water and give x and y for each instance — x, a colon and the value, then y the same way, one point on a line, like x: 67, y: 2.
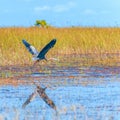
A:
x: 80, y: 93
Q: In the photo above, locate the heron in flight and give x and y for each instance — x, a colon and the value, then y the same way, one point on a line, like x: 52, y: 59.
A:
x: 43, y: 95
x: 37, y: 56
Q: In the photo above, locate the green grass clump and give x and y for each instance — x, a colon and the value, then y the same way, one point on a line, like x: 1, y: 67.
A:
x: 94, y: 42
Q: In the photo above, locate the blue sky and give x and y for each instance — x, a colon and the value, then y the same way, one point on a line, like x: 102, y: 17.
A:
x: 60, y: 13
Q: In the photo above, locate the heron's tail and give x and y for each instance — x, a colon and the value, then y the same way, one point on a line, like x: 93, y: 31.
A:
x: 35, y: 59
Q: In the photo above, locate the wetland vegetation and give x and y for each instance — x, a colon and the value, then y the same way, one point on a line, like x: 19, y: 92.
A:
x: 94, y: 46
x: 84, y: 82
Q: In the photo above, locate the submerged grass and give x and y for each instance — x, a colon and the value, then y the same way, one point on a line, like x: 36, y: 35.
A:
x: 98, y: 45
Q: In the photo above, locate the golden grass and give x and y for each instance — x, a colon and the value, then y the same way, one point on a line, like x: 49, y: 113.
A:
x: 93, y: 41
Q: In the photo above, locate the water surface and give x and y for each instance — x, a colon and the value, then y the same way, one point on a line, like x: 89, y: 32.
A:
x: 80, y: 93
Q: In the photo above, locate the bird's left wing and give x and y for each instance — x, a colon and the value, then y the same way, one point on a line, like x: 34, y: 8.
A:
x: 31, y: 97
x: 30, y: 48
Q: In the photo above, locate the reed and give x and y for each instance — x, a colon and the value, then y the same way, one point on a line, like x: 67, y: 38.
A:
x: 100, y: 44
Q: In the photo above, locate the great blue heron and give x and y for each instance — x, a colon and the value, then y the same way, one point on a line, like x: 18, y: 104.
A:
x: 43, y: 95
x: 37, y: 56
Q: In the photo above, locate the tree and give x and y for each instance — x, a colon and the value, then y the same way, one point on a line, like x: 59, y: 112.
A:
x: 41, y: 23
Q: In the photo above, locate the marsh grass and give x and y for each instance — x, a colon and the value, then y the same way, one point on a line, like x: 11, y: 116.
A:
x: 98, y: 45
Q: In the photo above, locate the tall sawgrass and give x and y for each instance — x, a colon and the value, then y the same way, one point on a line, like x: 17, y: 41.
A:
x: 93, y: 41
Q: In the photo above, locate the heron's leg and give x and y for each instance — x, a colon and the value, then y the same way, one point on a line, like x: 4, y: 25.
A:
x: 35, y: 63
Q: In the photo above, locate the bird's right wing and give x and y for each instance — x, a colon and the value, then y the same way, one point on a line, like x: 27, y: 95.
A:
x: 46, y: 48
x: 31, y: 97
x: 30, y: 48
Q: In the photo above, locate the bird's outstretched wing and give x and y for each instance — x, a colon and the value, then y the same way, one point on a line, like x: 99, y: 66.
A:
x: 43, y: 95
x: 31, y: 97
x: 42, y: 53
x: 30, y: 48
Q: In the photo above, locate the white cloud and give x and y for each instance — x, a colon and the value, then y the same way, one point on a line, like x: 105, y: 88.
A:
x: 89, y: 12
x: 72, y: 4
x: 93, y: 12
x: 43, y: 8
x: 105, y: 12
x: 28, y: 0
x: 66, y: 7
x: 56, y: 8
x: 24, y: 0
x: 6, y: 11
x: 60, y: 8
